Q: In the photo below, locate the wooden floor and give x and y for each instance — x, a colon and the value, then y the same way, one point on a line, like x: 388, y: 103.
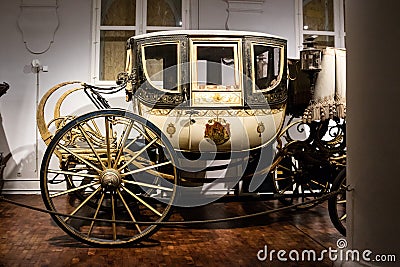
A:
x: 30, y: 238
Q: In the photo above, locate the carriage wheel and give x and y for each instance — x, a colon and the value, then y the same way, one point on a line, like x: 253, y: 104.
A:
x: 337, y: 204
x: 111, y: 166
x: 295, y: 182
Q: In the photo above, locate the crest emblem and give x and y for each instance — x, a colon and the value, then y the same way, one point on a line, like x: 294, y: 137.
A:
x: 260, y: 128
x: 219, y: 133
x: 171, y: 129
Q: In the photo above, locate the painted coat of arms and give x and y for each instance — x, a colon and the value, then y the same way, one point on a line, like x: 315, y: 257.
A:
x: 219, y: 133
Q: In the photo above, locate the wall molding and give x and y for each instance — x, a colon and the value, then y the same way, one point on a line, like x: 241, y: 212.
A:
x: 38, y: 23
x: 245, y: 6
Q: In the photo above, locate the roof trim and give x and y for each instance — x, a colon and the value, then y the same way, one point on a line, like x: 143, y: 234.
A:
x: 206, y: 32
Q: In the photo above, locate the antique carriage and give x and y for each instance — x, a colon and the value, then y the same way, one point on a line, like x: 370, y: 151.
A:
x: 207, y: 120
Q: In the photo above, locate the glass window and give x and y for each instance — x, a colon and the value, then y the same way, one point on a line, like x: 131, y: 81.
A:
x: 318, y: 15
x: 115, y: 21
x: 112, y: 53
x: 161, y: 65
x: 267, y: 62
x: 324, y: 18
x: 216, y: 73
x: 164, y: 13
x: 322, y: 41
x: 118, y: 12
x: 216, y: 67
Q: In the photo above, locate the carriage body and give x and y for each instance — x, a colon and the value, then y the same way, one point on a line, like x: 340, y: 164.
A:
x: 111, y: 176
x: 211, y: 91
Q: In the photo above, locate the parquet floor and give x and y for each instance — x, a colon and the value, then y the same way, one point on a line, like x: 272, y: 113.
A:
x: 30, y: 238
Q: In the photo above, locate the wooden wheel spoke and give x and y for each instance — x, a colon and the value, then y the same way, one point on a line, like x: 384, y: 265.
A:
x: 143, y: 160
x: 286, y: 188
x: 142, y: 201
x: 146, y: 168
x: 149, y: 185
x: 317, y: 183
x: 108, y: 145
x: 283, y: 178
x: 310, y: 189
x: 138, y: 154
x: 114, y: 226
x: 74, y: 173
x: 284, y: 167
x: 95, y: 214
x: 84, y: 202
x: 138, y: 165
x: 122, y: 141
x: 91, y: 146
x: 133, y: 141
x: 343, y: 217
x: 69, y: 180
x: 80, y: 158
x: 73, y: 189
x: 129, y: 211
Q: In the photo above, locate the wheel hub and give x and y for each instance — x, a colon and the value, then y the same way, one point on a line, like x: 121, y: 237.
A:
x: 110, y: 179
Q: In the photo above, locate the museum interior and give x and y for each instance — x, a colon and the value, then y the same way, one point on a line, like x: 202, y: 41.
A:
x: 199, y: 133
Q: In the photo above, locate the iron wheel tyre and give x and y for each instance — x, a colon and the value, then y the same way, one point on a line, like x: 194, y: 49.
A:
x: 113, y: 147
x: 337, y: 204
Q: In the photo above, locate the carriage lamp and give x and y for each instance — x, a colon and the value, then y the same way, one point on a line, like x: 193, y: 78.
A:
x: 310, y: 60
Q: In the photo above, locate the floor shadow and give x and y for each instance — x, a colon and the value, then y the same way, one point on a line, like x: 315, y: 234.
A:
x: 69, y: 242
x: 229, y: 210
x: 66, y: 241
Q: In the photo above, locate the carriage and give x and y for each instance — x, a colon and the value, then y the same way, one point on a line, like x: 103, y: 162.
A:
x: 212, y: 115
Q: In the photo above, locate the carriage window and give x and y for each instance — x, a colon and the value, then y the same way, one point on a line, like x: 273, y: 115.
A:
x: 216, y: 68
x: 160, y: 63
x: 268, y: 66
x: 215, y: 73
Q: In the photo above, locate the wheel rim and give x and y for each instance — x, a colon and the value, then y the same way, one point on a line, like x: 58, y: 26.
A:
x: 102, y: 166
x: 337, y: 204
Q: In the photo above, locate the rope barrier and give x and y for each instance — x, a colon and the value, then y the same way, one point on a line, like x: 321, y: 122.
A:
x: 319, y: 199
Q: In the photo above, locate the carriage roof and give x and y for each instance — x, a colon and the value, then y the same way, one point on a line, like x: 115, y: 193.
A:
x: 216, y: 33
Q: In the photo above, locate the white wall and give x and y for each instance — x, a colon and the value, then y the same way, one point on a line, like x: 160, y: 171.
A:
x: 275, y: 17
x: 69, y: 58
